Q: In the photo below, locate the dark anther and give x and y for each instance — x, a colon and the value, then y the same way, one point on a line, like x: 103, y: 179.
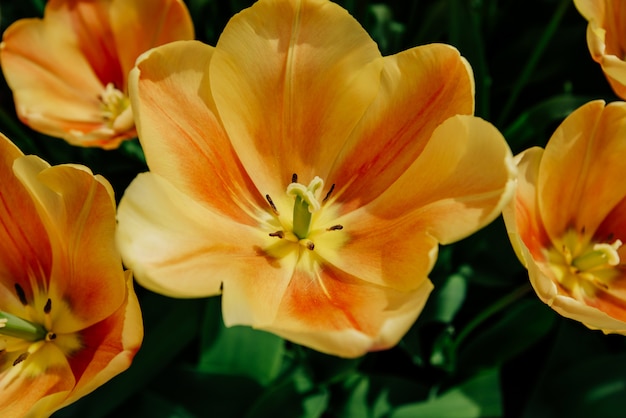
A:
x: 329, y: 192
x: 294, y: 178
x: 610, y: 237
x: 20, y: 294
x: 48, y: 307
x: 221, y: 286
x: 335, y: 228
x: 310, y: 245
x: 279, y: 234
x: 20, y: 358
x: 271, y: 202
x: 51, y: 336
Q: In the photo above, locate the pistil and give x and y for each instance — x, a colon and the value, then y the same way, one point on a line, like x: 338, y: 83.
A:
x: 306, y: 203
x: 14, y: 326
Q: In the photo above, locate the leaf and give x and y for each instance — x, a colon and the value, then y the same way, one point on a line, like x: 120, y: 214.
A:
x: 238, y: 350
x: 478, y: 397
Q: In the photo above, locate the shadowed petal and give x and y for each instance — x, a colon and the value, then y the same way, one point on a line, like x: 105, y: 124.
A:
x: 291, y: 79
x: 25, y: 252
x: 181, y: 133
x: 420, y: 88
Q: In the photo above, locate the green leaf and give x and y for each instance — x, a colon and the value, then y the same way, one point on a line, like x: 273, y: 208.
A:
x: 446, y: 300
x: 238, y: 350
x: 478, y: 397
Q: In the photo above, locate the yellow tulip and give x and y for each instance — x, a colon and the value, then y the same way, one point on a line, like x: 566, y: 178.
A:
x: 305, y: 177
x: 567, y: 219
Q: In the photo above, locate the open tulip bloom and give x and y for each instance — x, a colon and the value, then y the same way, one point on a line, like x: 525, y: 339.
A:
x: 304, y: 177
x: 69, y: 318
x: 567, y: 222
x: 68, y: 71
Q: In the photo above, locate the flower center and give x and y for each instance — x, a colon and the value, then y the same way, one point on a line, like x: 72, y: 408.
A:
x: 585, y: 267
x: 20, y: 337
x: 113, y: 103
x: 308, y: 224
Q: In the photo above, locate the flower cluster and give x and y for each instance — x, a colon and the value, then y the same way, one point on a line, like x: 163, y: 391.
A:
x: 293, y: 169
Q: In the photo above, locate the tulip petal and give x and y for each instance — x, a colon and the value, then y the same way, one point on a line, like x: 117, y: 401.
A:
x: 584, y: 159
x: 29, y: 391
x: 139, y: 25
x: 179, y: 248
x: 289, y: 93
x: 338, y: 314
x: 445, y: 188
x: 180, y: 130
x: 521, y: 215
x: 78, y: 211
x: 109, y: 347
x: 25, y: 252
x: 420, y: 88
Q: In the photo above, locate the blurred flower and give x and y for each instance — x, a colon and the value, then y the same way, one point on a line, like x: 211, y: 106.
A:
x: 68, y: 71
x: 69, y: 318
x: 388, y: 163
x: 567, y: 222
x: 606, y: 38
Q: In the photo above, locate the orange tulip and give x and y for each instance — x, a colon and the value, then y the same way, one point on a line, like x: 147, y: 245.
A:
x: 606, y: 38
x: 389, y: 162
x: 567, y: 221
x: 69, y: 318
x: 68, y: 71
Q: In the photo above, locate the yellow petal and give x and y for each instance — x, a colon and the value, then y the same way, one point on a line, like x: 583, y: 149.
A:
x: 420, y: 88
x: 460, y: 182
x: 291, y: 79
x: 78, y: 212
x: 180, y: 248
x: 582, y: 169
x: 180, y: 130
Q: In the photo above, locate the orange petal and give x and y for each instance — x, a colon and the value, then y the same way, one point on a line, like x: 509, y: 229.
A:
x: 521, y: 216
x: 78, y: 211
x: 25, y: 252
x: 139, y: 25
x: 420, y: 88
x: 109, y: 347
x: 338, y: 314
x: 179, y: 248
x: 459, y: 183
x: 291, y: 79
x: 52, y: 81
x: 180, y: 130
x: 582, y: 169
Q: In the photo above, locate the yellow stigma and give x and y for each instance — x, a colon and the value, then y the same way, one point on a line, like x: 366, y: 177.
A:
x: 583, y: 267
x: 113, y: 103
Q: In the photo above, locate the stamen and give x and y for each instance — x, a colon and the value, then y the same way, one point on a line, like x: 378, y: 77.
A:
x: 309, y: 245
x: 271, y: 202
x: 335, y: 228
x: 21, y: 294
x: 21, y: 358
x: 51, y: 336
x: 279, y: 234
x: 294, y: 178
x: 329, y: 193
x: 48, y: 307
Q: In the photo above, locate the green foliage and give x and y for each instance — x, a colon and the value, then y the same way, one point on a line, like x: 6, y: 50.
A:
x: 484, y: 345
